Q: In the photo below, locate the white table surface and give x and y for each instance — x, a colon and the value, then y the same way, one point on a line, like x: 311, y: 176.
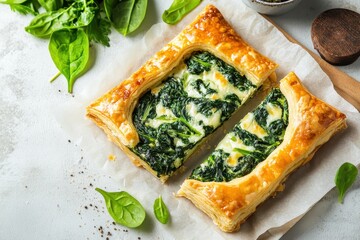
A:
x: 45, y: 184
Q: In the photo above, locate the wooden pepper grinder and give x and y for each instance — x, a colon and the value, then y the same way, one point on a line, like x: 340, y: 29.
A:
x: 335, y: 34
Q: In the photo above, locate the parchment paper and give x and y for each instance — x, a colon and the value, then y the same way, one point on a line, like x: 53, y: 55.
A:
x: 273, y: 218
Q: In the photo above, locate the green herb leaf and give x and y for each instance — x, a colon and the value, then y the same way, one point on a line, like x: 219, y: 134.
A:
x: 123, y: 208
x: 78, y: 14
x: 345, y: 177
x: 69, y: 50
x: 178, y: 9
x: 25, y: 8
x: 242, y: 151
x: 161, y: 211
x: 51, y: 5
x: 99, y: 29
x: 10, y: 2
x: 125, y: 15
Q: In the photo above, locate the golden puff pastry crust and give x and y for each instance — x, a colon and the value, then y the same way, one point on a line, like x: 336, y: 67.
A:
x: 311, y: 123
x: 209, y: 32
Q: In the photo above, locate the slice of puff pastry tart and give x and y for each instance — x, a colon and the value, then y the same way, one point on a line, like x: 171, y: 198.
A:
x: 160, y: 114
x: 255, y: 158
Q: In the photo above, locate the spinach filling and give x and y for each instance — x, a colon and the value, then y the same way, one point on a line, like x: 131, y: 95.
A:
x: 190, y: 104
x: 244, y: 148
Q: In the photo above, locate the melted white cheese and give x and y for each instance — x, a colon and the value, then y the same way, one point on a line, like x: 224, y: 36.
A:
x: 161, y: 111
x: 249, y: 124
x: 213, y: 120
x: 157, y: 89
x: 214, y: 79
x: 228, y: 144
x: 196, y: 117
x: 275, y: 113
x: 224, y: 87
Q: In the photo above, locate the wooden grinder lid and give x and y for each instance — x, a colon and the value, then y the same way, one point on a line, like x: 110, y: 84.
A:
x: 336, y: 36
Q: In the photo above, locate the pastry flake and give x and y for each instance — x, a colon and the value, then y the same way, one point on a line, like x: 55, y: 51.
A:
x: 229, y: 188
x: 160, y: 114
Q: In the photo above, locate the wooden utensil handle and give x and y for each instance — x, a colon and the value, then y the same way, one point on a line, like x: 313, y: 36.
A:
x: 346, y: 86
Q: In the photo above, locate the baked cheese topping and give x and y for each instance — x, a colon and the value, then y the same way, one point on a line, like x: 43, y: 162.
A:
x: 194, y: 100
x: 249, y: 143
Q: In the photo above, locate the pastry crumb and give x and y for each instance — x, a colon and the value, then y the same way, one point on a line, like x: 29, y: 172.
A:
x: 112, y: 157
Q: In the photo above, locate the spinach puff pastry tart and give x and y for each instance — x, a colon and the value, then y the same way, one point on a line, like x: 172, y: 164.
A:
x: 160, y: 114
x: 255, y: 158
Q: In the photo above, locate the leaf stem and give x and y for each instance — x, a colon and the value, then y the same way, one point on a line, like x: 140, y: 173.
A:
x: 55, y: 77
x: 341, y: 198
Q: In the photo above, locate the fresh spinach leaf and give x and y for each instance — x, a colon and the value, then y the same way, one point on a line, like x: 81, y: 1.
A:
x: 11, y: 2
x: 345, y: 177
x: 27, y: 7
x: 51, y: 5
x: 99, y: 29
x: 124, y: 208
x: 178, y: 9
x: 125, y: 15
x: 161, y: 211
x: 78, y: 14
x: 69, y: 50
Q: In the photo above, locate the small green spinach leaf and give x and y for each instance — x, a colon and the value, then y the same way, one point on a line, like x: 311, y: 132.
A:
x: 78, y: 14
x: 99, y: 29
x: 27, y: 7
x: 123, y: 208
x: 161, y: 211
x: 69, y: 50
x: 51, y: 5
x: 126, y: 15
x: 178, y: 9
x: 345, y: 177
x: 11, y: 2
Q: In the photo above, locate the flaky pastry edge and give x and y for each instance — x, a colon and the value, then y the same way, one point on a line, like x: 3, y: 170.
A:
x: 312, y: 122
x: 209, y: 32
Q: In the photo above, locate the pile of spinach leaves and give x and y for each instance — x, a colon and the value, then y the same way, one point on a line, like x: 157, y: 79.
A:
x: 215, y: 168
x: 72, y: 25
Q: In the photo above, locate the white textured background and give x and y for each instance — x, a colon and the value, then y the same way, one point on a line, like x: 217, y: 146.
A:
x: 42, y: 202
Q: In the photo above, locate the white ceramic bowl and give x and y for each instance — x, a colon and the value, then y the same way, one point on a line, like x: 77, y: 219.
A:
x: 271, y: 8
